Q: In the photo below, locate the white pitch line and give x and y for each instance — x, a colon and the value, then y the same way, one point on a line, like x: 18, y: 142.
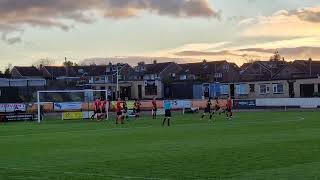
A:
x: 80, y: 173
x: 96, y: 130
x: 146, y: 127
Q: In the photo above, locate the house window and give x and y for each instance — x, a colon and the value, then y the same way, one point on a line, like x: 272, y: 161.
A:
x: 151, y: 90
x: 218, y: 75
x: 264, y: 89
x: 252, y: 88
x: 277, y: 88
x: 241, y: 89
x: 224, y: 89
x: 226, y: 67
x: 183, y: 77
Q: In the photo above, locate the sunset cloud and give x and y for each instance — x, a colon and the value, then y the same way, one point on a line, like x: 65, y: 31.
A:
x: 63, y: 14
x: 296, y: 48
x: 301, y: 22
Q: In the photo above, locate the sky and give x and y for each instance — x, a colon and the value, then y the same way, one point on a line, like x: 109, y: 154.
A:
x: 100, y: 31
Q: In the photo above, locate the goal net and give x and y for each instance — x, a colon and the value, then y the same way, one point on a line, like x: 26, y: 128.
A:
x: 69, y: 104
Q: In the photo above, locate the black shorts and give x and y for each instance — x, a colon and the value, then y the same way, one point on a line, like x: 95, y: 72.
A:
x: 104, y: 111
x: 119, y: 113
x: 229, y: 109
x: 154, y: 109
x: 97, y: 111
x: 207, y: 110
x: 137, y: 110
x: 167, y: 113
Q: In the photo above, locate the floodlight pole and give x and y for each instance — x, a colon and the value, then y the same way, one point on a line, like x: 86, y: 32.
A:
x: 117, y: 83
x: 38, y: 105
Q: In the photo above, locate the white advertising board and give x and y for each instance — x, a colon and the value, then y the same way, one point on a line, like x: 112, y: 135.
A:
x: 67, y: 106
x: 11, y: 107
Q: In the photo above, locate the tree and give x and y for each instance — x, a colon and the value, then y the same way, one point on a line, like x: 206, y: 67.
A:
x: 276, y: 57
x: 69, y: 63
x: 7, y: 71
x: 44, y: 62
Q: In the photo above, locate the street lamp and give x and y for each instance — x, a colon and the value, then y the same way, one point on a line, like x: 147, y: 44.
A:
x: 117, y: 81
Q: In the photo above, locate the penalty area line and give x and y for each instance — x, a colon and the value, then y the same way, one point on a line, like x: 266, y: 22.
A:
x: 79, y: 173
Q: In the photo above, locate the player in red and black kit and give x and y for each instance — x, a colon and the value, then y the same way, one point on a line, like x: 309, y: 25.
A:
x: 136, y: 108
x: 97, y: 108
x: 125, y: 108
x: 229, y: 108
x: 103, y: 108
x: 119, y: 112
x: 207, y: 109
x: 154, y: 108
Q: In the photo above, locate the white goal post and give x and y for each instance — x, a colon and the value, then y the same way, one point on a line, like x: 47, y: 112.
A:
x: 70, y: 91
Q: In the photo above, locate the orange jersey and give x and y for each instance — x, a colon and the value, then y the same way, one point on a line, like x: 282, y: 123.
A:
x: 118, y: 106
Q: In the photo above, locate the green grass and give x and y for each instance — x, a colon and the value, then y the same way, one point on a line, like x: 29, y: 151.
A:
x: 256, y: 145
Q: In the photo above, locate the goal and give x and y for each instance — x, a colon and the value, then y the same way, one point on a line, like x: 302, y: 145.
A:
x: 70, y: 100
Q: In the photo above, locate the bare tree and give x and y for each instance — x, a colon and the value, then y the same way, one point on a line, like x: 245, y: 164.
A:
x: 43, y: 62
x: 276, y: 57
x: 69, y: 64
x: 8, y: 69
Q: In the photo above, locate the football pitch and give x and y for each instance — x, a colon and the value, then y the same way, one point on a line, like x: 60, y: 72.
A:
x: 254, y: 145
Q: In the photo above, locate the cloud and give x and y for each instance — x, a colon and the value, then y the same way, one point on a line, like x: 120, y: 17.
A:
x: 133, y: 60
x: 291, y: 53
x: 301, y: 22
x: 255, y: 53
x: 206, y: 53
x: 306, y: 14
x: 62, y: 14
x: 290, y: 49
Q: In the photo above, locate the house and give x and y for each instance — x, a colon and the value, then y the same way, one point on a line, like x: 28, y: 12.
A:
x: 57, y: 72
x: 22, y: 85
x: 156, y: 71
x: 261, y: 70
x: 148, y: 79
x: 106, y: 77
x: 214, y: 71
x: 198, y: 80
x: 302, y: 76
x: 279, y: 79
x: 20, y: 72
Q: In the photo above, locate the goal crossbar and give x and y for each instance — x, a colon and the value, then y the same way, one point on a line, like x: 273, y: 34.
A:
x: 68, y: 91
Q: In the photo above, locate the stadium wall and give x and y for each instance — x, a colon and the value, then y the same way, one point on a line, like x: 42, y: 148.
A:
x: 289, y: 102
